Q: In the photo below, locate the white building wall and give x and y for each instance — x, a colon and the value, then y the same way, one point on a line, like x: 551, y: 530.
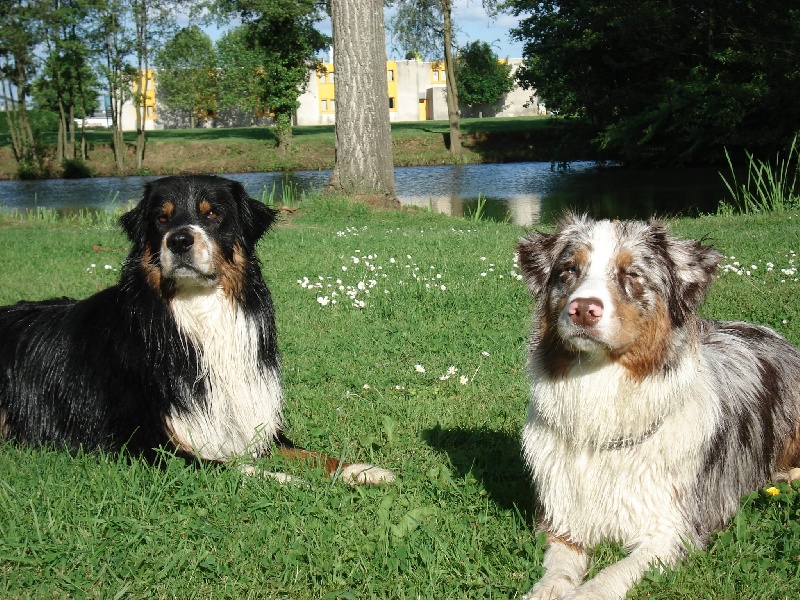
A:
x: 415, y: 85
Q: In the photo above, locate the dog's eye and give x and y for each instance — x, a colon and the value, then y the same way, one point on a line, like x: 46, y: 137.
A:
x: 162, y: 218
x: 211, y: 215
x: 569, y: 269
x: 633, y: 274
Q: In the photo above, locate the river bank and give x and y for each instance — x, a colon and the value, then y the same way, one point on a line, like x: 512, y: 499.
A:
x: 251, y: 150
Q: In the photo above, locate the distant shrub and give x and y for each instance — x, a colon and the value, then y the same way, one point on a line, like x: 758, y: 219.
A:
x: 28, y: 170
x: 75, y: 168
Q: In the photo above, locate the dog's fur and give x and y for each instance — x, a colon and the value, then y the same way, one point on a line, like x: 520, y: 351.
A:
x: 646, y: 424
x: 182, y: 354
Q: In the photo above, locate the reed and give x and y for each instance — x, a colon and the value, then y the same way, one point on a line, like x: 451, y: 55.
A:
x: 769, y: 187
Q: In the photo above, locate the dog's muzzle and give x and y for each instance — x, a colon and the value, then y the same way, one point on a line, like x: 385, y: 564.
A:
x: 187, y: 253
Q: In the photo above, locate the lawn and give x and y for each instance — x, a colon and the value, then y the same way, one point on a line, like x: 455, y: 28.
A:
x: 402, y: 337
x: 252, y: 149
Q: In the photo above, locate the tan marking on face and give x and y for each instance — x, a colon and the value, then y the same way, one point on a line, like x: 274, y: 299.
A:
x: 168, y: 208
x: 204, y: 207
x: 231, y: 274
x: 623, y: 260
x: 642, y: 340
x: 581, y: 257
x: 151, y: 270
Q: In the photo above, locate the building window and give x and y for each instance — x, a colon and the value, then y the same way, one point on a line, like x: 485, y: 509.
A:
x: 333, y: 105
x: 391, y: 103
x: 390, y: 75
x: 437, y: 72
x: 324, y: 105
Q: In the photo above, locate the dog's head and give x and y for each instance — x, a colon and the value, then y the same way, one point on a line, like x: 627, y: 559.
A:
x: 614, y: 288
x: 195, y: 231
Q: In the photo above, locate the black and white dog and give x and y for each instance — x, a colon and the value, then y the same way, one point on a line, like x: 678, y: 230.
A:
x: 182, y: 354
x: 646, y: 424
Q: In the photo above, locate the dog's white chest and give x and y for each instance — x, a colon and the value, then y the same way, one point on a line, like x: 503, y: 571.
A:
x: 240, y: 412
x: 593, y: 489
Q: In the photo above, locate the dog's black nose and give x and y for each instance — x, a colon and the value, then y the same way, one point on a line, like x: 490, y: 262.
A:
x: 180, y: 241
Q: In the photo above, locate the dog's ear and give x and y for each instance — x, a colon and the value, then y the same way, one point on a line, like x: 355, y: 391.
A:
x: 134, y: 222
x: 255, y: 217
x: 693, y: 268
x: 537, y: 253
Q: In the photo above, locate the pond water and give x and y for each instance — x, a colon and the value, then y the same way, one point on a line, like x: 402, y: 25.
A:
x: 522, y: 193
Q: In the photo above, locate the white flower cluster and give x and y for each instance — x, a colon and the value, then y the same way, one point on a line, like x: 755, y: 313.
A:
x: 350, y: 231
x: 738, y: 268
x: 93, y: 266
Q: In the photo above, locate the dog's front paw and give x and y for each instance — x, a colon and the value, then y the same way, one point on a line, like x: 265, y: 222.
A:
x: 364, y: 474
x: 545, y: 592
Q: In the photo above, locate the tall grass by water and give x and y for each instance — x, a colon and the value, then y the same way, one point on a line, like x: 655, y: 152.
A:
x: 402, y: 338
x: 768, y: 187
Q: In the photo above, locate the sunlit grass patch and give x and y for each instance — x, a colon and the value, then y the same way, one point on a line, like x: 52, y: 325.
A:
x: 429, y: 382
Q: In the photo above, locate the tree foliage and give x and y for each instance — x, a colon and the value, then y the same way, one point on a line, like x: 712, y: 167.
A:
x: 284, y: 36
x: 668, y: 82
x: 185, y: 71
x: 20, y: 33
x: 426, y: 26
x: 112, y: 44
x: 67, y: 84
x: 481, y: 77
x: 241, y: 73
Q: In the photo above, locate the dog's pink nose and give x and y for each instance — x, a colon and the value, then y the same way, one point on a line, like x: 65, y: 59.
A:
x: 585, y: 312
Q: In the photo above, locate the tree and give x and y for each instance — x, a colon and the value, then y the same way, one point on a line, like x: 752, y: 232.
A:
x: 668, y: 82
x: 240, y: 73
x: 67, y: 85
x: 20, y: 33
x: 151, y: 19
x: 112, y: 42
x: 364, y: 161
x: 186, y: 77
x: 481, y: 77
x: 283, y: 33
x: 426, y: 26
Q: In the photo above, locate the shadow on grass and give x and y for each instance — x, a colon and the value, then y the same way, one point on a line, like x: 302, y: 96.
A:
x: 493, y: 458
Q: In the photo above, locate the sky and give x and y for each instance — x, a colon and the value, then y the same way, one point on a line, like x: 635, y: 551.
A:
x: 472, y: 24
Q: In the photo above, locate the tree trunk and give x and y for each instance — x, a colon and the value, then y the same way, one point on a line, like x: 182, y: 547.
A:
x: 71, y: 139
x: 450, y: 76
x: 363, y: 162
x: 19, y: 128
x: 141, y: 17
x: 283, y: 132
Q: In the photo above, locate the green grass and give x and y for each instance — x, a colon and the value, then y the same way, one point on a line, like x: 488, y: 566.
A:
x: 769, y: 187
x: 457, y: 522
x: 322, y: 132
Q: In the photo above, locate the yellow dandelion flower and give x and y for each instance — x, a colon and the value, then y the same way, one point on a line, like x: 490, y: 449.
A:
x: 772, y: 491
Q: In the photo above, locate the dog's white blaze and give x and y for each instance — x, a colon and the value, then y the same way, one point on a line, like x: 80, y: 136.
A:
x: 595, y: 285
x: 569, y: 420
x: 243, y: 398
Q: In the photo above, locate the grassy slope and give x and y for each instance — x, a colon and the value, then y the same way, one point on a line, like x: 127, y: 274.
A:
x: 456, y: 523
x: 252, y: 149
